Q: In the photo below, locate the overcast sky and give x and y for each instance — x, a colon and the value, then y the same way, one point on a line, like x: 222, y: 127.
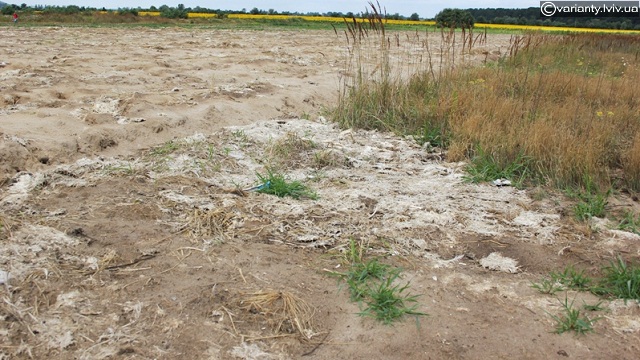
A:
x: 425, y: 8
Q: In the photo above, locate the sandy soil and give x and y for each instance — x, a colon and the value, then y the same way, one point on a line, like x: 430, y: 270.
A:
x: 124, y: 236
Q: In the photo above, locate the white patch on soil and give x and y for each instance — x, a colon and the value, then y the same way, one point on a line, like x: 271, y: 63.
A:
x: 19, y: 191
x: 495, y: 261
x: 30, y: 246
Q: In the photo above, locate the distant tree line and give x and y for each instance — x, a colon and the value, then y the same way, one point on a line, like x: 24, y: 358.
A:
x: 181, y: 11
x: 529, y: 16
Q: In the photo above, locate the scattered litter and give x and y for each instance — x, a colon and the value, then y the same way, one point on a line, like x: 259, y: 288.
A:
x: 123, y: 120
x: 502, y: 182
x: 495, y: 261
x: 259, y: 187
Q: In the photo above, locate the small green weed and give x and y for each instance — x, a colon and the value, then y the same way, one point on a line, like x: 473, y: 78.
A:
x: 165, y: 149
x: 241, y: 138
x: 591, y: 201
x: 434, y: 135
x: 620, y: 280
x: 572, y: 320
x: 372, y: 283
x: 276, y: 184
x: 359, y: 275
x: 126, y: 169
x: 547, y: 286
x: 355, y: 252
x: 630, y: 222
x: 594, y: 307
x: 572, y: 278
x: 387, y: 302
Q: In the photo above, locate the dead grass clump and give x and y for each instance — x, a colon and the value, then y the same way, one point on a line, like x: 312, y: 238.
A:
x: 6, y: 227
x: 209, y: 224
x: 289, y: 150
x: 95, y: 265
x: 286, y: 312
x: 329, y: 158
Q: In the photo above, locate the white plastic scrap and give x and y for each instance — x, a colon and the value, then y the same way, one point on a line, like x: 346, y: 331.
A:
x: 502, y: 182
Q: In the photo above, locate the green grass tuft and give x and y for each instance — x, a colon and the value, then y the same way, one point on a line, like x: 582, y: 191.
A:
x: 387, y: 302
x: 573, y: 320
x: 620, y: 281
x: 374, y: 284
x: 276, y: 184
x: 591, y: 202
x: 361, y: 273
x: 547, y: 286
x: 630, y: 222
x: 572, y: 279
x: 485, y: 167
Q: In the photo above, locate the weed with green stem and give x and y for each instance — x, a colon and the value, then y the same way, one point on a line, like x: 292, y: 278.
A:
x: 211, y: 152
x: 387, y: 302
x: 630, y: 222
x: 591, y: 201
x: 571, y: 278
x: 547, y: 286
x: 620, y: 281
x: 374, y: 284
x: 241, y: 136
x: 359, y: 275
x: 126, y: 169
x: 572, y: 319
x: 165, y: 149
x: 594, y: 307
x: 435, y: 135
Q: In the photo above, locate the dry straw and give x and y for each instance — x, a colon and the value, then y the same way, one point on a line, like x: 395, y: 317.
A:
x: 285, y: 311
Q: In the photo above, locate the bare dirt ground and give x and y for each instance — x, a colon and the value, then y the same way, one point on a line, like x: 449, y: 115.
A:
x: 124, y: 236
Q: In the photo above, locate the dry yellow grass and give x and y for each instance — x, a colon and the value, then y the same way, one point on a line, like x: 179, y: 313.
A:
x: 287, y: 312
x: 565, y: 103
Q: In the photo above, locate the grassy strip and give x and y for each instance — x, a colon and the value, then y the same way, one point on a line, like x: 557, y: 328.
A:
x: 619, y: 281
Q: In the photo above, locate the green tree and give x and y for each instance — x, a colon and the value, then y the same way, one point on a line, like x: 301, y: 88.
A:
x: 414, y: 17
x: 174, y: 13
x: 454, y: 18
x: 7, y: 10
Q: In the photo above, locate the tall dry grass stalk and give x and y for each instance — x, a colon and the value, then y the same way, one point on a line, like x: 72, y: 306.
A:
x: 377, y: 85
x: 568, y: 104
